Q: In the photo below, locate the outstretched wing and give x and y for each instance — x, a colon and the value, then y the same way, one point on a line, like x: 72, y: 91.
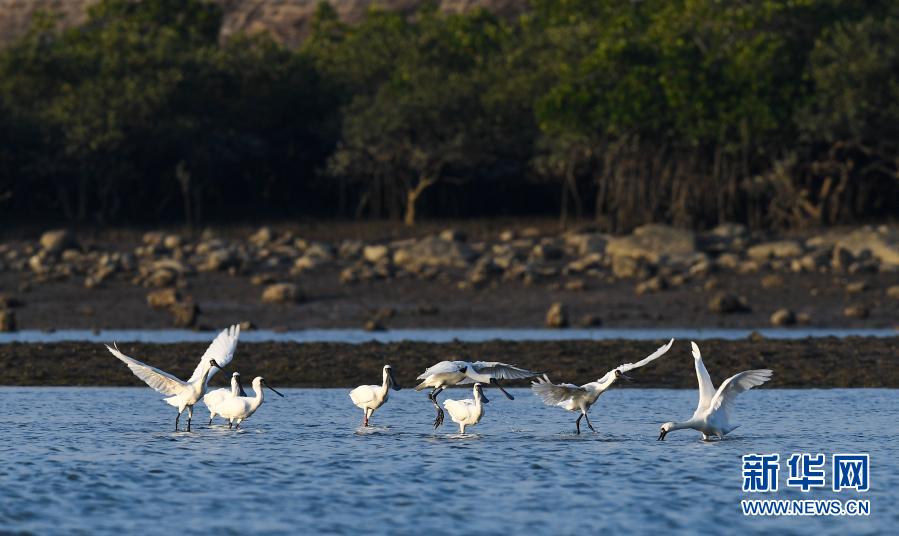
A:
x: 221, y: 349
x: 442, y: 368
x: 502, y: 371
x: 554, y: 394
x: 736, y: 384
x: 162, y: 382
x: 706, y: 389
x: 608, y: 376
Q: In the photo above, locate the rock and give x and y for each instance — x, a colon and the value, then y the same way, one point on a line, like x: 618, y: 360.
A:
x: 172, y: 242
x: 557, y: 316
x: 547, y: 252
x: 163, y: 299
x: 452, y: 235
x: 724, y: 303
x: 783, y: 249
x: 587, y: 243
x: 373, y: 324
x: 726, y: 237
x: 374, y: 254
x: 728, y: 261
x: 58, y: 240
x: 654, y: 284
x: 592, y: 260
x: 856, y: 287
x: 153, y: 238
x: 507, y: 236
x: 803, y: 318
x: 783, y: 317
x: 772, y: 281
x: 426, y: 309
x: 856, y: 311
x: 261, y: 237
x: 654, y: 242
x: 7, y: 320
x: 246, y: 325
x: 882, y: 242
x: 262, y: 279
x: 893, y: 292
x: 841, y: 259
x: 184, y: 314
x: 625, y: 267
x: 218, y: 260
x: 434, y: 251
x: 591, y: 321
x: 162, y: 278
x: 282, y: 293
x: 575, y: 285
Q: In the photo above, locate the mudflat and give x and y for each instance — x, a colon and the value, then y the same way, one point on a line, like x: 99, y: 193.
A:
x: 813, y: 362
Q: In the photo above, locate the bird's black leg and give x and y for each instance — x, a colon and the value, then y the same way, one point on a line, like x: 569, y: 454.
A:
x: 433, y: 396
x: 577, y: 423
x: 176, y: 421
x: 589, y: 423
x: 230, y: 424
x: 190, y: 416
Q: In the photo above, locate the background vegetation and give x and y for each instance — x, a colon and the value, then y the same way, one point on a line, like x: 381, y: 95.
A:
x: 776, y: 113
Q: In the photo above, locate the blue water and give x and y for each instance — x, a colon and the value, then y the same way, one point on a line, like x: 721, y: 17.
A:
x: 356, y: 336
x: 104, y: 460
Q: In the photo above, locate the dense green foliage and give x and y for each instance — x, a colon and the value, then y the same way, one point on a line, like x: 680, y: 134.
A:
x: 772, y: 112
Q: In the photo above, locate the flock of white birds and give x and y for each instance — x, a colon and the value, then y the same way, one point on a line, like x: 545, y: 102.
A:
x: 712, y: 417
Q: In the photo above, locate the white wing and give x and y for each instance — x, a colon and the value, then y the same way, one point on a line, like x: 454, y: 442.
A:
x: 363, y: 394
x: 736, y: 384
x: 502, y: 371
x: 162, y: 382
x: 646, y: 360
x: 706, y: 388
x: 555, y: 394
x: 221, y: 349
x: 443, y: 367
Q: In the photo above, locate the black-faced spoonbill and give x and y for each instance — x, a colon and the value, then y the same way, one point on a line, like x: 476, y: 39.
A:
x: 212, y: 399
x: 449, y: 373
x: 183, y: 395
x: 580, y: 398
x: 712, y: 416
x: 467, y: 412
x: 368, y: 398
x: 239, y: 408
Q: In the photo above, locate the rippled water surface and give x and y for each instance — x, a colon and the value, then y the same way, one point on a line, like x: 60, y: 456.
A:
x: 95, y: 460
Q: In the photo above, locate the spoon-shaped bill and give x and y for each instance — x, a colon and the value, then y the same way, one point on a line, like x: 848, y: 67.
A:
x: 393, y: 383
x: 265, y: 383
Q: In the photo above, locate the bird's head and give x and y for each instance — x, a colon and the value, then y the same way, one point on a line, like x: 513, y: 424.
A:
x: 388, y: 375
x: 259, y: 382
x: 235, y: 375
x: 622, y: 376
x: 479, y: 393
x: 663, y: 431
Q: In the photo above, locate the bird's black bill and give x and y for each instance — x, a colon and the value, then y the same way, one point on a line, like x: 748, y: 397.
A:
x: 662, y: 435
x: 484, y: 399
x: 240, y: 390
x: 500, y: 387
x: 628, y: 378
x: 273, y: 389
x: 394, y: 384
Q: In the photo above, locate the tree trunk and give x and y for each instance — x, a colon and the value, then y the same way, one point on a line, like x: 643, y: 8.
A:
x: 413, y: 195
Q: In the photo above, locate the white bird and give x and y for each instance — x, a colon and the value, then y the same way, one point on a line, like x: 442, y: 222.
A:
x: 368, y: 398
x: 239, y: 408
x: 581, y: 398
x: 185, y: 394
x: 467, y: 412
x: 212, y: 399
x: 449, y: 373
x: 712, y: 415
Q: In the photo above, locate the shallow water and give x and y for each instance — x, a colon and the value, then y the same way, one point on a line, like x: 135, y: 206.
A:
x: 103, y: 460
x: 356, y: 336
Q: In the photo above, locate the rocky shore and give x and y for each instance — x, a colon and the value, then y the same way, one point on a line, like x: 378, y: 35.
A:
x: 524, y: 276
x: 828, y: 362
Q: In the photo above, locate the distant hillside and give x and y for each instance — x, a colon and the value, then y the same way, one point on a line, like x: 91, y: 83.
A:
x: 287, y: 20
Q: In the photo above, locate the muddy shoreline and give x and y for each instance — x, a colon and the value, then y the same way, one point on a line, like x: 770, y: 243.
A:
x: 808, y: 363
